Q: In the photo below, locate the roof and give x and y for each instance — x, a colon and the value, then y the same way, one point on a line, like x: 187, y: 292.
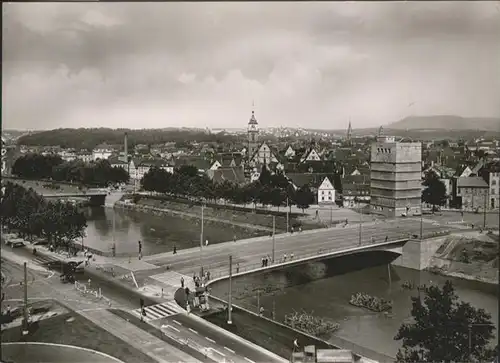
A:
x: 471, y: 182
x: 355, y: 189
x: 314, y: 180
x: 253, y: 120
x: 356, y: 179
x: 234, y: 175
x: 199, y: 162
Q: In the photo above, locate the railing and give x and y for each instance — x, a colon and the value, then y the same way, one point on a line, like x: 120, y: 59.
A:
x: 289, y: 260
x: 85, y: 291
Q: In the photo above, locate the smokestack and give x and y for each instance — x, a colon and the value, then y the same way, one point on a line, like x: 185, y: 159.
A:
x: 125, y: 143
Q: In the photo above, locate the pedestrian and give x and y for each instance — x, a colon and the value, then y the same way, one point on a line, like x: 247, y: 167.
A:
x: 206, y: 243
x: 237, y: 268
x: 140, y: 246
x: 291, y: 256
x: 182, y: 282
x: 194, y: 276
x: 113, y: 249
x: 373, y: 239
x: 284, y: 257
x: 300, y: 229
x: 7, y: 311
x: 316, y: 214
x: 261, y: 311
x: 208, y: 275
x: 3, y: 296
x: 263, y: 261
x: 175, y: 250
x: 386, y: 238
x: 472, y: 225
x: 291, y: 230
x: 234, y: 238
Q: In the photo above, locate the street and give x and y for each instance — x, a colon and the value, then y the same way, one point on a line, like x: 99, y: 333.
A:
x: 248, y: 254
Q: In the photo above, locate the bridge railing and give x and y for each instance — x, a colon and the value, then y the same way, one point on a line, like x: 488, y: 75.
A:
x: 222, y: 269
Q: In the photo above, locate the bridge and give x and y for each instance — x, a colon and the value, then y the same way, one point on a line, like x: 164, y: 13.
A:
x: 97, y: 198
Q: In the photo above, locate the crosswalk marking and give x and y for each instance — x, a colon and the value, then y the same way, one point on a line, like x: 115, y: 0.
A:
x: 159, y: 311
x: 41, y: 260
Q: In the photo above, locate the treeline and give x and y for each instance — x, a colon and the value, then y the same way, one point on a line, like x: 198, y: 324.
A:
x: 186, y: 182
x: 99, y: 173
x: 90, y: 138
x: 27, y: 212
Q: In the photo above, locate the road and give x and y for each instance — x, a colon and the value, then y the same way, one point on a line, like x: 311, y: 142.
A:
x: 236, y: 349
x: 248, y: 254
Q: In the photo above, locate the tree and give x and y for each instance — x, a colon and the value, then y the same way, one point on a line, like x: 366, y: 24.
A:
x: 304, y: 197
x: 441, y: 328
x: 265, y: 176
x: 435, y: 191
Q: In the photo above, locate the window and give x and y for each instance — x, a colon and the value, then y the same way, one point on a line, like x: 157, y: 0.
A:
x: 493, y: 182
x: 492, y: 190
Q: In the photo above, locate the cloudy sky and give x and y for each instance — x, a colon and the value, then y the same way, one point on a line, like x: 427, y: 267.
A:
x: 304, y: 64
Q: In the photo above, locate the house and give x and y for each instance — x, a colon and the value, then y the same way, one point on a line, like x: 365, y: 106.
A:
x: 463, y: 172
x: 473, y: 192
x: 355, y: 195
x: 102, y: 153
x: 310, y: 155
x: 139, y: 167
x: 289, y: 152
x: 326, y: 192
x: 215, y: 165
x: 491, y: 174
x: 85, y: 156
x: 200, y: 163
x: 314, y: 181
x: 118, y: 162
x: 263, y: 155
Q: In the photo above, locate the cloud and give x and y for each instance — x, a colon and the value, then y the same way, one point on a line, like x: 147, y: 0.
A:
x: 202, y: 64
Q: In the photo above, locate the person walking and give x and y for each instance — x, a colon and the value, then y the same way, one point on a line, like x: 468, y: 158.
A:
x: 237, y: 268
x: 291, y: 256
x: 113, y: 249
x: 175, y: 250
x: 140, y: 249
x: 182, y: 281
x: 284, y: 257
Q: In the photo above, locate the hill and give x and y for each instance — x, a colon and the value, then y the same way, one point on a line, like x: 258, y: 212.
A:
x: 447, y: 122
x: 89, y: 138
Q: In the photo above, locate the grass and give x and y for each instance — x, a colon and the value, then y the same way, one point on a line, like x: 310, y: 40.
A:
x: 270, y: 336
x: 79, y: 332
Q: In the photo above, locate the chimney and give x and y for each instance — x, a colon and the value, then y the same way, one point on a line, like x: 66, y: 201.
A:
x: 125, y: 144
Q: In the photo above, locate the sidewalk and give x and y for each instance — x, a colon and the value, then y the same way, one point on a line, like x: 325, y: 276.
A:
x: 138, y: 338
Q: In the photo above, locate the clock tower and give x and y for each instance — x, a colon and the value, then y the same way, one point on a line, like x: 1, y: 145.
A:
x: 253, y: 133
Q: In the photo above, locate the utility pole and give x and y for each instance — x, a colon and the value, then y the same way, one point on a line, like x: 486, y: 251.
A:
x: 230, y: 303
x: 274, y: 232
x: 26, y: 315
x: 287, y: 216
x: 274, y: 310
x: 331, y: 215
x: 201, y: 243
x: 484, y: 209
x: 421, y: 221
x: 360, y: 222
x: 258, y: 302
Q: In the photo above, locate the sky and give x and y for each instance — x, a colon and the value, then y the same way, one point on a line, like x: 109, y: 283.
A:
x: 301, y: 64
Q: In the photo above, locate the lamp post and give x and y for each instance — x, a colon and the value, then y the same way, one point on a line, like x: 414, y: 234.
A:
x: 360, y: 228
x: 201, y: 242
x: 484, y: 208
x: 230, y: 297
x: 421, y: 221
x: 470, y: 337
x: 274, y: 242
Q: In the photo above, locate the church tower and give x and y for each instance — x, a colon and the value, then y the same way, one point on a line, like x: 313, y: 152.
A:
x: 253, y: 133
x: 349, y: 131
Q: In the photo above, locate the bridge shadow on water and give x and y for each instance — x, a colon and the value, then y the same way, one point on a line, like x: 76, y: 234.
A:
x: 275, y: 281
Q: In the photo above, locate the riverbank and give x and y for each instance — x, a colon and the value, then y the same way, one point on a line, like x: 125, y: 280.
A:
x: 470, y: 256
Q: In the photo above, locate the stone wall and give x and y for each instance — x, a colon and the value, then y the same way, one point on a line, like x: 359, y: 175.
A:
x: 417, y: 254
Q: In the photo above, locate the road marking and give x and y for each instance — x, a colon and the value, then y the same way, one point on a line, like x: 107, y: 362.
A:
x: 194, y: 331
x: 171, y: 327
x: 249, y: 360
x: 175, y: 321
x: 210, y: 340
x: 229, y: 350
x: 216, y: 351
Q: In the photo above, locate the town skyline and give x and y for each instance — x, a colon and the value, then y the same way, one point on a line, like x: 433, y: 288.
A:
x: 309, y: 65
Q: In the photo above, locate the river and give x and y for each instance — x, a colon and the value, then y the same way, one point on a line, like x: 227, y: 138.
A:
x: 326, y: 296
x: 158, y: 234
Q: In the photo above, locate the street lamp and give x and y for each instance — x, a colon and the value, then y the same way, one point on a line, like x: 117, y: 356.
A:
x: 470, y: 337
x: 421, y: 221
x: 274, y: 232
x: 201, y: 242
x: 360, y: 222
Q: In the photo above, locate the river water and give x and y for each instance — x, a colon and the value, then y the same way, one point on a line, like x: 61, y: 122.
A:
x: 158, y: 234
x: 321, y: 288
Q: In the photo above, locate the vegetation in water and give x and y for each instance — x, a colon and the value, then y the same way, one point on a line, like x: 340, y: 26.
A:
x: 310, y: 324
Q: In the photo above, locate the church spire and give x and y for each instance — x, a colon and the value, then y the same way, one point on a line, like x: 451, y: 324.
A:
x: 349, y: 130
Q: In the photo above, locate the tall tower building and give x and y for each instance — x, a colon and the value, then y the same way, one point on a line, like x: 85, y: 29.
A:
x: 395, y: 177
x: 349, y: 131
x: 253, y: 134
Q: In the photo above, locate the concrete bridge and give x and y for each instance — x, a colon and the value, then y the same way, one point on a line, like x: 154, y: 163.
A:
x: 96, y: 198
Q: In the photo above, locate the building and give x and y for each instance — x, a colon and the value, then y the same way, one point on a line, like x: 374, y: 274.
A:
x: 253, y: 135
x: 491, y: 174
x: 395, y: 177
x: 326, y: 192
x: 473, y: 192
